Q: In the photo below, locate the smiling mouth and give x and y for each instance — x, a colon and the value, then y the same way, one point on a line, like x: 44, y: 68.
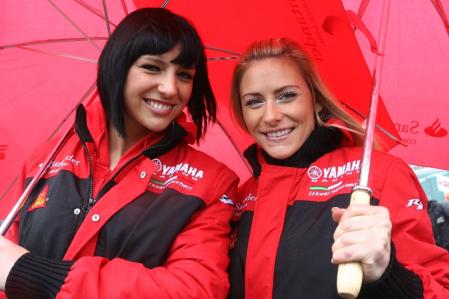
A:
x: 159, y: 106
x: 278, y: 135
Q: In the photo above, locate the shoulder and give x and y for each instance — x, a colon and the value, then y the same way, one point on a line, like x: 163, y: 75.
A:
x: 207, y: 162
x: 41, y: 153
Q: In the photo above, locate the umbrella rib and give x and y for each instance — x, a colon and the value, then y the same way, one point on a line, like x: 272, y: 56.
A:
x: 106, y: 17
x: 165, y: 3
x: 94, y: 11
x: 379, y: 127
x: 222, y: 50
x: 51, y: 41
x: 64, y: 55
x: 8, y: 188
x: 85, y: 95
x: 73, y: 24
x: 441, y: 12
x: 125, y: 8
x: 362, y: 8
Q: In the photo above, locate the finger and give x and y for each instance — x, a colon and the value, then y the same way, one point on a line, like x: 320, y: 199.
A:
x: 362, y: 209
x: 354, y: 224
x: 373, y: 227
x: 367, y: 253
x: 352, y: 238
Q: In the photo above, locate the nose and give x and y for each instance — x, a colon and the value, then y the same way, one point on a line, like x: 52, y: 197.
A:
x: 272, y: 113
x: 167, y: 86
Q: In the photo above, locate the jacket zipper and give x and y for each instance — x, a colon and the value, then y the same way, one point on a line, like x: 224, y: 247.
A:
x: 91, y: 201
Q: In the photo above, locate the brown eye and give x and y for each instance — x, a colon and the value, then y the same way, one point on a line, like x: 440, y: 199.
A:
x: 150, y: 68
x: 185, y: 76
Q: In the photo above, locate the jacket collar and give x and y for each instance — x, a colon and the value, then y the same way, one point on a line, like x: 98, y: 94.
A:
x: 321, y: 141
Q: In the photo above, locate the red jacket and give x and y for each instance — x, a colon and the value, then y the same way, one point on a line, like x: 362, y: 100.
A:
x: 157, y: 228
x: 285, y: 231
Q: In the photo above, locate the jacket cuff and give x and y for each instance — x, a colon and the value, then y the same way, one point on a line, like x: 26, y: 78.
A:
x: 36, y: 277
x: 396, y: 282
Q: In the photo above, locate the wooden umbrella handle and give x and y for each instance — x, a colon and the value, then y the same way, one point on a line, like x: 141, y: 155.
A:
x: 350, y: 275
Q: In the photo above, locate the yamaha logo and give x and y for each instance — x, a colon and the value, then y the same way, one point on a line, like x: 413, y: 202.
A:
x: 314, y: 172
x: 158, y: 164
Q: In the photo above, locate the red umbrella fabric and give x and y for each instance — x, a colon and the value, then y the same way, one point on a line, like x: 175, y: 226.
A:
x: 48, y: 52
x: 415, y: 69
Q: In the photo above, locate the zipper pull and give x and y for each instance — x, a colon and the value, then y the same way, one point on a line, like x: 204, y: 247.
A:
x: 89, y: 205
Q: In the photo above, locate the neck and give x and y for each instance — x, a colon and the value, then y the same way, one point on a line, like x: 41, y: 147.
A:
x: 118, y: 146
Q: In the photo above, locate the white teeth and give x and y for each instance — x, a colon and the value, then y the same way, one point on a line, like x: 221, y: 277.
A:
x: 278, y: 134
x: 158, y: 105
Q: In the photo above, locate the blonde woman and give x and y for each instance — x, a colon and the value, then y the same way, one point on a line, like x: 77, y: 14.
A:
x: 294, y: 227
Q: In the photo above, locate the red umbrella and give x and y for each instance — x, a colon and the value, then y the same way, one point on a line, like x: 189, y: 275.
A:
x: 48, y: 51
x: 415, y: 70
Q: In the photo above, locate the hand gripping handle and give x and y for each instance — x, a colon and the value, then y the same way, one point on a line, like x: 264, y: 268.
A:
x: 350, y: 275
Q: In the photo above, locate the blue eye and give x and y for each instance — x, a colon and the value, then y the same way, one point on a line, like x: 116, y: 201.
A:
x: 287, y: 96
x: 253, y: 103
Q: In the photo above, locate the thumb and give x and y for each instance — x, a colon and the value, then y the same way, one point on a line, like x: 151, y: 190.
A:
x: 337, y: 213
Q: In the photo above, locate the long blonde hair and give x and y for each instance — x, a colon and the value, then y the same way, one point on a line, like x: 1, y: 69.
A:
x: 284, y: 47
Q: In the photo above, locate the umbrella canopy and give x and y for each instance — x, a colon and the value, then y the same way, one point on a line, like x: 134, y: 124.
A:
x: 414, y: 77
x: 49, y: 48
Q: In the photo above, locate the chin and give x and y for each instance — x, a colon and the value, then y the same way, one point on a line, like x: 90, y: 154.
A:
x: 280, y: 155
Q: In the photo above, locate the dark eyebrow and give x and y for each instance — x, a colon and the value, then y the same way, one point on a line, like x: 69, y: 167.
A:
x: 150, y: 58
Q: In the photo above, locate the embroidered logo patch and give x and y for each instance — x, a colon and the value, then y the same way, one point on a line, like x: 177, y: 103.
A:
x: 415, y: 202
x: 325, y: 182
x: 181, y: 175
x: 41, y: 200
x: 225, y: 199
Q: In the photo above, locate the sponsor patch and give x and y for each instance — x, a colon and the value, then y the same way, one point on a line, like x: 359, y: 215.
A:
x: 40, y: 201
x: 182, y: 175
x: 415, y: 202
x: 239, y: 207
x: 330, y: 180
x: 56, y: 166
x: 225, y: 199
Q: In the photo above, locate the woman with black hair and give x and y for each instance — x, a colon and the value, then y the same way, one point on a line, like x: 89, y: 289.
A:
x: 127, y: 209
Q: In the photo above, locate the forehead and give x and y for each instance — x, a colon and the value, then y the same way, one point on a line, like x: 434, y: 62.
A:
x: 271, y: 73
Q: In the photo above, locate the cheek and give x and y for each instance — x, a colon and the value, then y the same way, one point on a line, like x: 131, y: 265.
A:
x: 246, y: 117
x: 251, y: 119
x: 186, y: 93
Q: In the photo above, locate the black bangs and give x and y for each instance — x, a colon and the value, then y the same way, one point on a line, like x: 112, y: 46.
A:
x: 191, y: 50
x: 160, y: 34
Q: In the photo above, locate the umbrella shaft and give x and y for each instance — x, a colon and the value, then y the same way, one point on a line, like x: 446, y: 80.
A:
x: 372, y: 114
